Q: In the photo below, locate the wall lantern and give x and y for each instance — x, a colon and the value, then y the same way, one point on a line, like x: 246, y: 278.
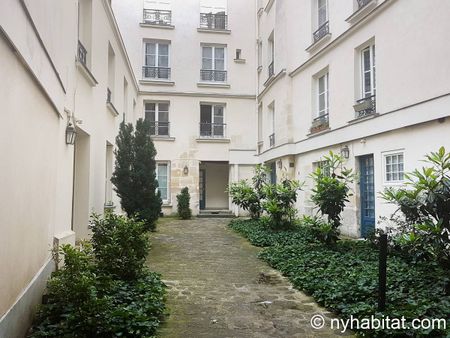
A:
x: 71, y: 133
x: 185, y: 170
x: 345, y: 152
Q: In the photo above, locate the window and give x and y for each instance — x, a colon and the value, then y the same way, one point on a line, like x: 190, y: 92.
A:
x: 111, y: 75
x: 394, y: 167
x: 212, y: 120
x: 157, y: 12
x: 260, y: 47
x: 324, y: 166
x: 84, y: 32
x: 213, y: 14
x: 322, y: 95
x: 322, y: 14
x: 162, y: 175
x: 260, y: 123
x: 271, y: 54
x: 271, y: 119
x: 368, y: 71
x: 156, y: 60
x: 213, y: 64
x: 158, y: 115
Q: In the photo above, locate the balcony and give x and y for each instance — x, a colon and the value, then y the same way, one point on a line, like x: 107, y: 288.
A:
x: 365, y: 107
x: 322, y: 31
x: 271, y: 70
x: 82, y: 54
x: 320, y: 123
x: 272, y: 140
x: 210, y: 75
x: 159, y: 128
x: 217, y: 21
x: 212, y: 130
x: 157, y: 17
x: 158, y: 73
x: 362, y: 3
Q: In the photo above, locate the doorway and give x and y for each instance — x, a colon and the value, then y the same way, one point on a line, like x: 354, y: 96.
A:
x: 367, y: 194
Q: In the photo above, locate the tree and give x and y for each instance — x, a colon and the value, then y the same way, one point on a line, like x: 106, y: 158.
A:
x: 184, y: 212
x: 134, y: 176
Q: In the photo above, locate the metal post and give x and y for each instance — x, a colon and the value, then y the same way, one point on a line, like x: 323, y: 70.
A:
x: 382, y: 273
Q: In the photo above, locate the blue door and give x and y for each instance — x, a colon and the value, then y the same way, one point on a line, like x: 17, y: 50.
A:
x: 367, y: 194
x: 202, y: 188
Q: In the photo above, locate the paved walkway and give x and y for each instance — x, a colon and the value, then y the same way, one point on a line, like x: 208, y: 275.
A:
x: 219, y: 288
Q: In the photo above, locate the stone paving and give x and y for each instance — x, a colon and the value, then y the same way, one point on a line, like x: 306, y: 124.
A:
x: 219, y: 288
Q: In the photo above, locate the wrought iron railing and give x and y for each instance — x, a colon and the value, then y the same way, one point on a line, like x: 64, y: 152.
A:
x: 320, y: 123
x: 272, y: 140
x: 271, y: 70
x: 213, y: 75
x: 158, y: 17
x: 159, y: 128
x: 362, y: 3
x: 365, y: 106
x: 214, y: 21
x: 323, y: 30
x: 213, y: 130
x: 108, y: 95
x: 156, y: 72
x: 82, y: 53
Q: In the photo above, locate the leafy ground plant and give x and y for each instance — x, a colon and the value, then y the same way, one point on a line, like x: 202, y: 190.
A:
x: 183, y: 200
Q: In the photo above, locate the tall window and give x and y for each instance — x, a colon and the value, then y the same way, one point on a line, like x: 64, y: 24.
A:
x: 156, y: 60
x: 213, y: 64
x: 322, y: 97
x: 271, y: 120
x: 394, y: 167
x: 271, y: 54
x: 212, y: 120
x: 260, y: 123
x: 368, y: 71
x: 322, y: 15
x: 158, y: 115
x: 162, y: 175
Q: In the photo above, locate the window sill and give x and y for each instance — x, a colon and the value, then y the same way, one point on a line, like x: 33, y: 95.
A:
x: 152, y: 25
x: 213, y: 85
x: 86, y: 74
x: 319, y: 43
x: 319, y: 132
x: 361, y: 12
x: 269, y: 80
x: 157, y: 82
x: 240, y: 60
x: 166, y: 204
x: 163, y: 138
x: 212, y: 30
x: 112, y: 109
x: 213, y: 140
x: 363, y: 118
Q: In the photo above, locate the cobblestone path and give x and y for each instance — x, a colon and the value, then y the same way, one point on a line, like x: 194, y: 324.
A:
x: 219, y: 288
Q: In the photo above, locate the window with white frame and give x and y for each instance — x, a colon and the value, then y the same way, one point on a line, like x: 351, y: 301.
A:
x: 260, y: 123
x: 213, y: 64
x: 157, y: 113
x: 162, y: 175
x: 157, y: 12
x: 156, y: 60
x: 271, y: 120
x: 394, y: 167
x: 212, y: 119
x: 368, y: 85
x: 322, y: 12
x: 324, y: 166
x: 322, y: 96
x: 260, y: 51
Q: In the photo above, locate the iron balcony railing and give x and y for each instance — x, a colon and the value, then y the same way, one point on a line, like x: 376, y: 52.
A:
x: 159, y: 128
x: 108, y: 95
x: 213, y: 75
x: 272, y: 140
x: 323, y: 30
x: 150, y: 72
x: 320, y: 123
x: 214, y: 21
x: 271, y: 71
x: 362, y: 3
x: 82, y: 53
x: 158, y: 17
x: 213, y: 130
x: 365, y: 106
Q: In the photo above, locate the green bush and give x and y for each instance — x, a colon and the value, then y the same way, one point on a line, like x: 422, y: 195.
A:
x: 120, y: 245
x: 183, y: 199
x: 330, y: 193
x: 97, y: 295
x: 344, y: 277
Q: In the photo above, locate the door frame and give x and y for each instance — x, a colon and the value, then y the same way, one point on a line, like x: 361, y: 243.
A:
x: 202, y: 188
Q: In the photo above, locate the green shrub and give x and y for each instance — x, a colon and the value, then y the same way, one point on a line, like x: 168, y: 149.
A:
x: 344, y: 277
x: 330, y: 193
x: 120, y: 245
x: 279, y: 202
x: 425, y: 203
x: 183, y: 199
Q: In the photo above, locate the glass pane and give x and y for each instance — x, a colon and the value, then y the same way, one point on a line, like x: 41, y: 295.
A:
x: 220, y: 65
x: 163, y: 107
x: 163, y: 192
x: 321, y: 84
x: 150, y: 60
x: 163, y: 49
x: 366, y: 59
x: 207, y: 63
x: 205, y: 114
x: 321, y: 102
x: 163, y: 61
x: 207, y: 52
x: 219, y: 53
x: 150, y: 116
x: 150, y: 48
x: 162, y: 170
x: 150, y: 106
x: 322, y: 16
x: 163, y: 116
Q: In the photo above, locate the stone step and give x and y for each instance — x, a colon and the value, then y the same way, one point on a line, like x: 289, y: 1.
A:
x: 215, y: 214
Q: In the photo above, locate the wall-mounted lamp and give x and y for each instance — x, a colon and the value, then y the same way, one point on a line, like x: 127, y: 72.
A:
x: 185, y: 170
x: 71, y: 133
x: 345, y: 152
